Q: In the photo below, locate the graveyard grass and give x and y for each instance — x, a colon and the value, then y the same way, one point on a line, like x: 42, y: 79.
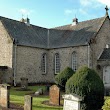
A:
x: 17, y: 97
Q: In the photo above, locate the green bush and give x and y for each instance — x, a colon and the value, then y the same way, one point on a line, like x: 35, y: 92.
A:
x: 106, y: 105
x: 62, y: 77
x: 87, y: 84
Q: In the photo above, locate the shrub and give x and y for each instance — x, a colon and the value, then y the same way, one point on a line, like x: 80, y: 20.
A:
x: 62, y: 77
x: 86, y: 83
x: 106, y: 105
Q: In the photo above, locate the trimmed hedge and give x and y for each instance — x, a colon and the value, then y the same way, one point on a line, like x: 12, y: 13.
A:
x: 62, y: 77
x: 87, y: 84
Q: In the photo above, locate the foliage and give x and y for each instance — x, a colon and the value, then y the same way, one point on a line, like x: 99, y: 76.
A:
x: 86, y: 83
x: 63, y: 76
x: 106, y: 105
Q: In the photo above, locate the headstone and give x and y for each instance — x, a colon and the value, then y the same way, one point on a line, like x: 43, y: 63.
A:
x: 54, y: 94
x: 4, y: 95
x: 71, y: 102
x: 39, y: 92
x: 24, y: 83
x: 28, y: 102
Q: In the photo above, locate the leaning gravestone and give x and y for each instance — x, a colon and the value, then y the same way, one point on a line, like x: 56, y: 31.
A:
x: 24, y: 83
x: 28, y: 102
x: 4, y: 95
x: 54, y: 94
x: 71, y: 102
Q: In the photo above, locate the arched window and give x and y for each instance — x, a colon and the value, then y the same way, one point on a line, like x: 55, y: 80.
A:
x: 57, y: 63
x: 44, y: 61
x: 74, y: 61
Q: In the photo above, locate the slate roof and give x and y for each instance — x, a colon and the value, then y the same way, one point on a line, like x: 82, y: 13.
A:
x: 63, y: 36
x: 25, y: 35
x: 105, y: 54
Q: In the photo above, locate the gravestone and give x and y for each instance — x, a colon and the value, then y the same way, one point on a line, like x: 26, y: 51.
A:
x: 71, y: 102
x: 54, y: 94
x: 39, y: 92
x: 28, y: 102
x: 24, y: 83
x: 4, y: 95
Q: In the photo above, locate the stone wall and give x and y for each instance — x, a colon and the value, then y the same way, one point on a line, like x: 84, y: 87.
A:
x: 102, y: 38
x: 29, y: 65
x: 29, y: 62
x: 6, y: 51
x: 66, y: 56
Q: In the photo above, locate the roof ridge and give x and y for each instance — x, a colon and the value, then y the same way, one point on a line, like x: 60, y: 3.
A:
x: 1, y: 17
x: 57, y: 28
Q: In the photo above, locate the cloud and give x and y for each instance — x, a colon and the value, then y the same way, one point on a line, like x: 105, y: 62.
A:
x: 105, y: 2
x: 25, y: 11
x: 93, y: 3
x: 73, y: 12
x: 70, y: 11
x: 83, y: 12
x: 85, y: 2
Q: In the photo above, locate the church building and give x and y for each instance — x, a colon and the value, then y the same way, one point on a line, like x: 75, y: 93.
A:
x: 39, y: 53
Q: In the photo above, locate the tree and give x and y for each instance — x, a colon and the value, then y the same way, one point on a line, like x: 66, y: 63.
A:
x: 87, y: 84
x: 62, y: 77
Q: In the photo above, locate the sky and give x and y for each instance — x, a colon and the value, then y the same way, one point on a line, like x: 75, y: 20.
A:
x: 53, y: 13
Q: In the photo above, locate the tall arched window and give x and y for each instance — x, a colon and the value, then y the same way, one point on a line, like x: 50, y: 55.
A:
x: 44, y: 61
x: 57, y: 63
x: 74, y: 61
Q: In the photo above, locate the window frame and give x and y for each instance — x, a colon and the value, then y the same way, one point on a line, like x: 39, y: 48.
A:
x: 44, y: 63
x: 74, y: 61
x: 57, y: 63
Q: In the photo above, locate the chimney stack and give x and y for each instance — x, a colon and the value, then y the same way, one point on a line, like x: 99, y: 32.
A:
x: 26, y: 21
x: 75, y: 21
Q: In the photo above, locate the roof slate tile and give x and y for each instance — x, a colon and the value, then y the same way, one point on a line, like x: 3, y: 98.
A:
x: 63, y: 36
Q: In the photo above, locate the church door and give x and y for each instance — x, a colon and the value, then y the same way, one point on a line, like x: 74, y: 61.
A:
x: 106, y: 76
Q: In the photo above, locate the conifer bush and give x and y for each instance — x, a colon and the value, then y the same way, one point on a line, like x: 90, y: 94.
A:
x: 63, y: 76
x: 87, y: 84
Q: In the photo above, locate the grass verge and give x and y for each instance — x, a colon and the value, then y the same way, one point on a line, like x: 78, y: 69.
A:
x: 17, y: 97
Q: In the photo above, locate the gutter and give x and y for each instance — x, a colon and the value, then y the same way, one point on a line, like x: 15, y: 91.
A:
x: 88, y: 55
x: 15, y: 48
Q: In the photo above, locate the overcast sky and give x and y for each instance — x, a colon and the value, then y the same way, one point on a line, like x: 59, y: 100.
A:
x: 52, y: 13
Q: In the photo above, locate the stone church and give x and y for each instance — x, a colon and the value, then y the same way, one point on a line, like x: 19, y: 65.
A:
x: 39, y: 53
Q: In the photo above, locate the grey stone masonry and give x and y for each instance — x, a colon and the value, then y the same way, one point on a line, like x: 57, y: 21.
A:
x: 71, y: 102
x: 4, y: 95
x: 28, y: 102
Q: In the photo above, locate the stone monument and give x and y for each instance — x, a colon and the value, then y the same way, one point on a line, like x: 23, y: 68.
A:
x: 54, y: 94
x: 4, y: 95
x: 71, y: 102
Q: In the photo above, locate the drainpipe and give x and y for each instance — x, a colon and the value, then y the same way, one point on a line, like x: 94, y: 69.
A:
x: 88, y: 55
x: 48, y: 38
x: 15, y: 47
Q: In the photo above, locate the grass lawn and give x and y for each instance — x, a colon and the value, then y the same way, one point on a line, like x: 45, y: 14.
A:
x: 18, y: 98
